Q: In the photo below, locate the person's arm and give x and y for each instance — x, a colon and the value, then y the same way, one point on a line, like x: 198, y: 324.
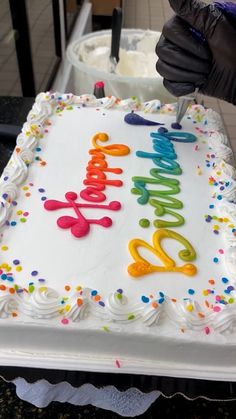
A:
x: 187, y: 61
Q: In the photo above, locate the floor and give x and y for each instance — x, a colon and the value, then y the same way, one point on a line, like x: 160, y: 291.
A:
x: 42, y: 42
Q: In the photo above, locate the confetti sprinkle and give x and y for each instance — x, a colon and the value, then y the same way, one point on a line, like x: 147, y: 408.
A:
x: 206, y: 330
x: 106, y: 328
x: 191, y: 291
x: 64, y: 321
x: 199, y: 171
x: 118, y: 365
x: 211, y: 281
x: 34, y: 273
x: 145, y: 299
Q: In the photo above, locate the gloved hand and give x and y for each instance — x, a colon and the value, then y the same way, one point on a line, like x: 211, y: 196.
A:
x: 187, y: 62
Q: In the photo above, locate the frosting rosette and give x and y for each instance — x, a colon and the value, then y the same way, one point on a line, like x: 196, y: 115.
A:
x: 42, y: 303
x: 215, y: 138
x: 213, y: 121
x: 8, y: 305
x: 223, y: 170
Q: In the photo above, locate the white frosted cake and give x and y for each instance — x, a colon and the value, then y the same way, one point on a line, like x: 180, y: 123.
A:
x: 118, y: 248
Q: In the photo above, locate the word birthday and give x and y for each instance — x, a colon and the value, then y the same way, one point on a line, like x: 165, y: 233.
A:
x: 164, y: 159
x: 96, y: 182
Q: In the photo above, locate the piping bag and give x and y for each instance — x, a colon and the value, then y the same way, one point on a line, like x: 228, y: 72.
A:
x: 229, y: 10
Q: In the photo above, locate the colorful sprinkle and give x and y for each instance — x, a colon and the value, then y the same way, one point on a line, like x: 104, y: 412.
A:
x: 145, y: 299
x: 144, y: 222
x: 79, y: 302
x: 106, y: 328
x: 31, y: 288
x: 64, y: 321
x: 216, y: 309
x: 34, y: 273
x: 191, y: 291
x: 207, y: 330
x: 118, y: 365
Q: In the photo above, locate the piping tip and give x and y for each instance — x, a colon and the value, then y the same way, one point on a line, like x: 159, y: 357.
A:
x: 183, y: 104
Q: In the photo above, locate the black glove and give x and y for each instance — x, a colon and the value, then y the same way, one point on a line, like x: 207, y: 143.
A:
x: 187, y: 62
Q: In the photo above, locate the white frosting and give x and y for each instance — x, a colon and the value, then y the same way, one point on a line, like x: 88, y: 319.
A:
x: 224, y: 170
x: 215, y: 138
x: 230, y: 259
x: 99, y: 261
x: 213, y: 121
x: 133, y: 62
x: 210, y: 119
x: 223, y: 152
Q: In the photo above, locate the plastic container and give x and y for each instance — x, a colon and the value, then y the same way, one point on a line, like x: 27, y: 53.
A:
x: 87, y: 68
